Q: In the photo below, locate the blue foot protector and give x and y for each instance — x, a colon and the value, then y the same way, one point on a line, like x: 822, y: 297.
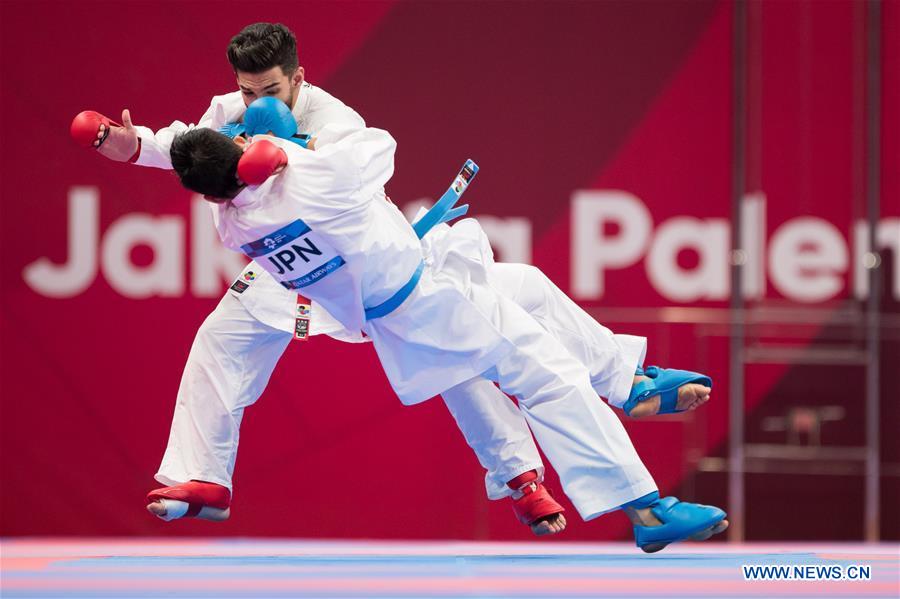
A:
x: 680, y: 520
x: 664, y: 382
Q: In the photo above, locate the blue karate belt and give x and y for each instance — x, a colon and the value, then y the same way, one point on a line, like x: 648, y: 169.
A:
x: 444, y: 210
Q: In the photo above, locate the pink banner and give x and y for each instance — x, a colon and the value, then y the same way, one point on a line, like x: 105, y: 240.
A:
x: 603, y: 131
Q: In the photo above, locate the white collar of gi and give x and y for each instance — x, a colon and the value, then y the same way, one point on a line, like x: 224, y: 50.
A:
x: 302, y: 104
x: 245, y: 197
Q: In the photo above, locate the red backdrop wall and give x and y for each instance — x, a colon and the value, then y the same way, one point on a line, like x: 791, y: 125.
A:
x: 550, y: 98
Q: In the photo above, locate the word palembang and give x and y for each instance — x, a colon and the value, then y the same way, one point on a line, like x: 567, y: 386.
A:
x: 806, y: 260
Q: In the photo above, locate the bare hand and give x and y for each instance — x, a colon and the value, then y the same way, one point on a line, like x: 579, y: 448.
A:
x: 121, y: 143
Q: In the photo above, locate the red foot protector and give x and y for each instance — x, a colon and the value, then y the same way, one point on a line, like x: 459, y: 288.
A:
x: 536, y: 503
x: 86, y: 124
x: 196, y: 494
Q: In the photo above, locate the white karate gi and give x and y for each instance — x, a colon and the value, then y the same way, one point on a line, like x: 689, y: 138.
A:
x: 242, y: 339
x: 238, y: 345
x: 322, y: 227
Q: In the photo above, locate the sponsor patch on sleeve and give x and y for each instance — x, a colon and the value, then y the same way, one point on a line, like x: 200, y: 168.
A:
x: 239, y: 286
x: 304, y: 313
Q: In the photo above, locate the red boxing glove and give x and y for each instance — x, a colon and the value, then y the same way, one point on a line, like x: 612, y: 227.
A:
x: 260, y: 161
x: 86, y: 125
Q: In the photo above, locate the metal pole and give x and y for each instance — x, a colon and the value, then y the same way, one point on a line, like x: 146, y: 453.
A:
x: 873, y: 263
x: 738, y: 257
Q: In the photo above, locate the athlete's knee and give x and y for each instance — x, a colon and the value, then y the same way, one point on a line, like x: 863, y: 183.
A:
x: 535, y: 289
x: 536, y: 279
x: 549, y: 384
x: 532, y: 274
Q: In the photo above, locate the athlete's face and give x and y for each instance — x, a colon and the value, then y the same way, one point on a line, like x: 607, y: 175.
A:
x: 274, y: 82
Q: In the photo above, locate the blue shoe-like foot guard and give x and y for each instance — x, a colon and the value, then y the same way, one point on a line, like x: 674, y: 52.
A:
x: 664, y: 382
x: 680, y: 520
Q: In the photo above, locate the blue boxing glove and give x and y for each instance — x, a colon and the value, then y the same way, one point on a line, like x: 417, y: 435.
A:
x: 271, y: 114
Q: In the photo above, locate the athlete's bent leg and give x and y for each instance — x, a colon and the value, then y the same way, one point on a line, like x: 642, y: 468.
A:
x: 497, y: 432
x: 608, y: 356
x: 585, y: 441
x: 611, y: 359
x: 582, y: 437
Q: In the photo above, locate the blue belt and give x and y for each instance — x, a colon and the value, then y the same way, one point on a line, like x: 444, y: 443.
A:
x: 442, y: 211
x: 393, y: 302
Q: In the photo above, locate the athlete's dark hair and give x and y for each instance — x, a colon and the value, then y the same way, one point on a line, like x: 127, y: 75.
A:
x: 261, y: 46
x: 206, y: 162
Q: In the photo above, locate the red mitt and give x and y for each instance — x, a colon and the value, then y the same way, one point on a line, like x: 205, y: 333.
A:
x: 86, y: 125
x: 260, y: 161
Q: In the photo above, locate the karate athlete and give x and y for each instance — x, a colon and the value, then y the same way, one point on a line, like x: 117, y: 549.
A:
x: 255, y: 321
x: 433, y: 317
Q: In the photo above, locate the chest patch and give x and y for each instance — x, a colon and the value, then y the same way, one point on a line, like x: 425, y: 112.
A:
x: 295, y: 255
